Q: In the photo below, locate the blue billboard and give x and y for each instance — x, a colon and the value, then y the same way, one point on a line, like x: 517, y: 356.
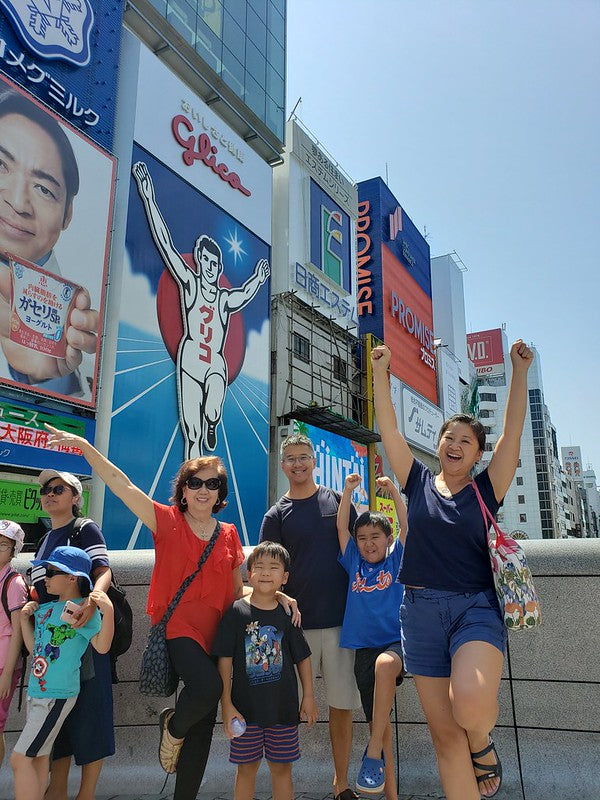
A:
x: 329, y: 237
x: 66, y: 55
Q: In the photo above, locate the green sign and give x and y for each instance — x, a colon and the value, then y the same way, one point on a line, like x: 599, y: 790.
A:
x: 35, y: 418
x: 20, y: 502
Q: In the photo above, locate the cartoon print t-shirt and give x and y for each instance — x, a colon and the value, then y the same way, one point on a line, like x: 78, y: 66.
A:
x: 57, y: 652
x: 265, y: 646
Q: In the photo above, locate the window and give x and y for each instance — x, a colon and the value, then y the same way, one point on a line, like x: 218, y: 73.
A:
x: 340, y: 369
x: 522, y: 517
x: 521, y: 498
x: 489, y: 447
x: 489, y: 397
x: 519, y: 463
x: 519, y: 480
x: 301, y: 347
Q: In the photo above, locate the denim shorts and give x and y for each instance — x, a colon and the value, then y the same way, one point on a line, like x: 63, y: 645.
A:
x: 436, y: 623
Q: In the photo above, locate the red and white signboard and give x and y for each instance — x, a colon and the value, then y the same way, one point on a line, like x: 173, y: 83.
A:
x: 484, y: 349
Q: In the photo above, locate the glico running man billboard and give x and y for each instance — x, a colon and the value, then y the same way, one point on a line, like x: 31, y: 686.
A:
x: 192, y: 370
x: 394, y: 286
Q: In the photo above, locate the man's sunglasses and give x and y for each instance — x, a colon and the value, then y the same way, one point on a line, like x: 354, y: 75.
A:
x: 212, y: 484
x: 57, y: 490
x: 50, y: 573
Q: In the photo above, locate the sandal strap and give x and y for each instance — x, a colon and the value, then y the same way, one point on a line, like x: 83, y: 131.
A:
x: 491, y: 746
x: 492, y: 769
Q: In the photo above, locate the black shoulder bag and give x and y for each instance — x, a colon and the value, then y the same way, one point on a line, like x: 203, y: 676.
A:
x: 157, y: 676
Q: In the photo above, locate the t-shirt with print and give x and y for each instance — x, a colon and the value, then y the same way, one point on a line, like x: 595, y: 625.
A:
x: 89, y: 538
x: 264, y: 646
x: 16, y: 597
x: 57, y: 652
x: 307, y: 528
x: 372, y: 617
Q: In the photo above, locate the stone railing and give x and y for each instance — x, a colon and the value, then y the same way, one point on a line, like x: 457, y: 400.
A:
x: 550, y: 709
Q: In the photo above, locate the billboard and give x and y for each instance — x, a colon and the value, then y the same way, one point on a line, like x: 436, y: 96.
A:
x: 67, y: 55
x: 449, y: 382
x: 56, y: 194
x: 329, y: 237
x: 20, y: 501
x: 571, y: 459
x: 193, y: 356
x: 484, y: 349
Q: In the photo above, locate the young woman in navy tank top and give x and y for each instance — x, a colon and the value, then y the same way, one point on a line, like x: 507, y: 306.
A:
x: 453, y: 634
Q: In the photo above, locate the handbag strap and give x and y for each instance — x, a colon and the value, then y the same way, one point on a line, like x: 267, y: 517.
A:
x: 488, y: 517
x: 187, y: 582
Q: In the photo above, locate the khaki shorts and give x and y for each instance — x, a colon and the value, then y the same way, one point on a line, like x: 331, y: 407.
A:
x: 336, y: 666
x: 45, y: 717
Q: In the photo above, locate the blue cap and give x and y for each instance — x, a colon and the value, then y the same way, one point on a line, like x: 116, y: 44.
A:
x: 72, y: 560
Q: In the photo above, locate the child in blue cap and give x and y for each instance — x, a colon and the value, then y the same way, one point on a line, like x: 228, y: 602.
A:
x: 56, y: 649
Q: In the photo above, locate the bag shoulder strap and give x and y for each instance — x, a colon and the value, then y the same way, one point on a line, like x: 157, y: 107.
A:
x: 77, y: 524
x: 188, y: 581
x: 488, y: 517
x: 6, y: 583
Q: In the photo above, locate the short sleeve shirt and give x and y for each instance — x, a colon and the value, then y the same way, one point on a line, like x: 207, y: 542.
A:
x: 264, y: 646
x: 57, y: 652
x: 372, y: 617
x: 446, y: 542
x: 307, y: 528
x: 89, y: 538
x: 178, y: 551
x: 16, y: 597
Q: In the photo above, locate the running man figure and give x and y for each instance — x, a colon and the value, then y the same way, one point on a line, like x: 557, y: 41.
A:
x: 201, y: 365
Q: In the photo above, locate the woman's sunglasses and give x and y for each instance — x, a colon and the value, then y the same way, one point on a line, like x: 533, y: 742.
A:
x: 212, y: 484
x: 50, y: 573
x: 57, y: 490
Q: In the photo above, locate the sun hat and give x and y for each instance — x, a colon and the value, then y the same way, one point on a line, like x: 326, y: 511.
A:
x: 70, y: 479
x: 13, y: 531
x: 72, y: 560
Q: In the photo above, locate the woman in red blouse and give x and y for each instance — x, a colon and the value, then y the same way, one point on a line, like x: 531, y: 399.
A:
x: 181, y: 533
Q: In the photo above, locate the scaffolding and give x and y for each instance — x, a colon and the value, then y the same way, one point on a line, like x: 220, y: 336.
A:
x: 323, y: 365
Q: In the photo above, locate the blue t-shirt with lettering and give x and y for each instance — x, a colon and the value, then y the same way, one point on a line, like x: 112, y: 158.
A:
x: 446, y: 543
x: 57, y: 652
x: 372, y: 617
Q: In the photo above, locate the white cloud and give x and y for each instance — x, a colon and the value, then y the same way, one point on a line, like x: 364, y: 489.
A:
x: 138, y: 303
x: 256, y: 363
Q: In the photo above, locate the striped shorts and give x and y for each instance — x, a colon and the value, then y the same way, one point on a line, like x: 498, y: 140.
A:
x: 280, y: 744
x: 45, y: 717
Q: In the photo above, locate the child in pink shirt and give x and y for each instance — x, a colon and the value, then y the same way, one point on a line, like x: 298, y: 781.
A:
x: 13, y: 593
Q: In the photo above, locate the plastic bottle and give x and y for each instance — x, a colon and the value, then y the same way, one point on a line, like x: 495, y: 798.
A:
x: 238, y: 727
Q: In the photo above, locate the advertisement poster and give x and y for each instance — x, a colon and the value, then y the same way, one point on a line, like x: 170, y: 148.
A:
x: 56, y: 195
x: 484, y: 349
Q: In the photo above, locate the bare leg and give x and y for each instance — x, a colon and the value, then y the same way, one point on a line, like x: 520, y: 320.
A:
x: 59, y: 776
x: 340, y: 733
x: 281, y: 781
x: 31, y: 776
x: 387, y: 668
x: 191, y: 397
x: 474, y: 684
x: 245, y: 778
x: 89, y: 779
x: 449, y: 739
x: 391, y: 790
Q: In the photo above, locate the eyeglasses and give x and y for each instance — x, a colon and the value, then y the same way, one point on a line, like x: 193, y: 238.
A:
x: 300, y: 459
x: 57, y: 490
x: 212, y: 484
x: 50, y: 573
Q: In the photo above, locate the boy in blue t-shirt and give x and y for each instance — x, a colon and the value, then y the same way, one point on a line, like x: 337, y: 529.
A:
x: 56, y: 645
x: 371, y: 625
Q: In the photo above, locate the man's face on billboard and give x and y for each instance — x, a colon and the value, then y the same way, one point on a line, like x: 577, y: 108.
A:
x: 32, y: 189
x: 209, y: 264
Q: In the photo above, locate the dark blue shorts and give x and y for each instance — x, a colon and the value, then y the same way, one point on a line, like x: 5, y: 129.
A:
x: 436, y: 623
x: 279, y: 743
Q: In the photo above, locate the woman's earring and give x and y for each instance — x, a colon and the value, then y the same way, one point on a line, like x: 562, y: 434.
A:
x: 183, y: 501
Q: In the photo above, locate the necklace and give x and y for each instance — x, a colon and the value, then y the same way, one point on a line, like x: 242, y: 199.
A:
x: 202, y: 530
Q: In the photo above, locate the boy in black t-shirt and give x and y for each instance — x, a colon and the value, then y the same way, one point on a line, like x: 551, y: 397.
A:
x: 257, y: 642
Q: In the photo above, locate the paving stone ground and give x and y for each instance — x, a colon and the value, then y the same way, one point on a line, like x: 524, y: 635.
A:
x: 299, y: 796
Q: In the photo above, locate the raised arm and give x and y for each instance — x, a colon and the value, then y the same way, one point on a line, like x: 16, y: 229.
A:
x: 506, y: 453
x: 238, y: 298
x: 395, y: 446
x: 388, y: 486
x: 133, y: 497
x: 158, y: 227
x: 343, y: 514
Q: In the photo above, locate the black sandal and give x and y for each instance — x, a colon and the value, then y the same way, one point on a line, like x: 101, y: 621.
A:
x: 492, y: 770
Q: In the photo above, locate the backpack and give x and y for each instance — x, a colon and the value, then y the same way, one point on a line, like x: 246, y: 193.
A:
x: 122, y: 610
x: 24, y: 651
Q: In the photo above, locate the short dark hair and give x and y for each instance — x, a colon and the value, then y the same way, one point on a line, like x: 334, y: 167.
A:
x: 191, y: 467
x: 466, y: 419
x: 296, y: 439
x: 206, y: 243
x: 270, y: 550
x: 12, y: 102
x: 375, y: 518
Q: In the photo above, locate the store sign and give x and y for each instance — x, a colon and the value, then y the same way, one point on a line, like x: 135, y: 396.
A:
x: 484, y: 349
x: 571, y: 458
x: 24, y: 438
x: 364, y: 274
x: 313, y: 287
x: 20, y: 501
x: 422, y: 420
x: 387, y: 507
x: 329, y: 237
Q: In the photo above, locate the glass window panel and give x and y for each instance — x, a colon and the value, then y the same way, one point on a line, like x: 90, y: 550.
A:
x: 275, y: 118
x: 256, y: 32
x: 275, y: 85
x: 208, y: 45
x: 233, y: 72
x: 233, y: 37
x: 255, y: 64
x: 260, y: 6
x: 276, y: 24
x: 276, y: 55
x: 211, y: 11
x: 279, y: 5
x: 255, y: 96
x: 160, y: 5
x: 237, y: 9
x: 183, y: 19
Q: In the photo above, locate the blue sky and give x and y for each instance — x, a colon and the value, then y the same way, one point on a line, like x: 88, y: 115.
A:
x: 487, y: 114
